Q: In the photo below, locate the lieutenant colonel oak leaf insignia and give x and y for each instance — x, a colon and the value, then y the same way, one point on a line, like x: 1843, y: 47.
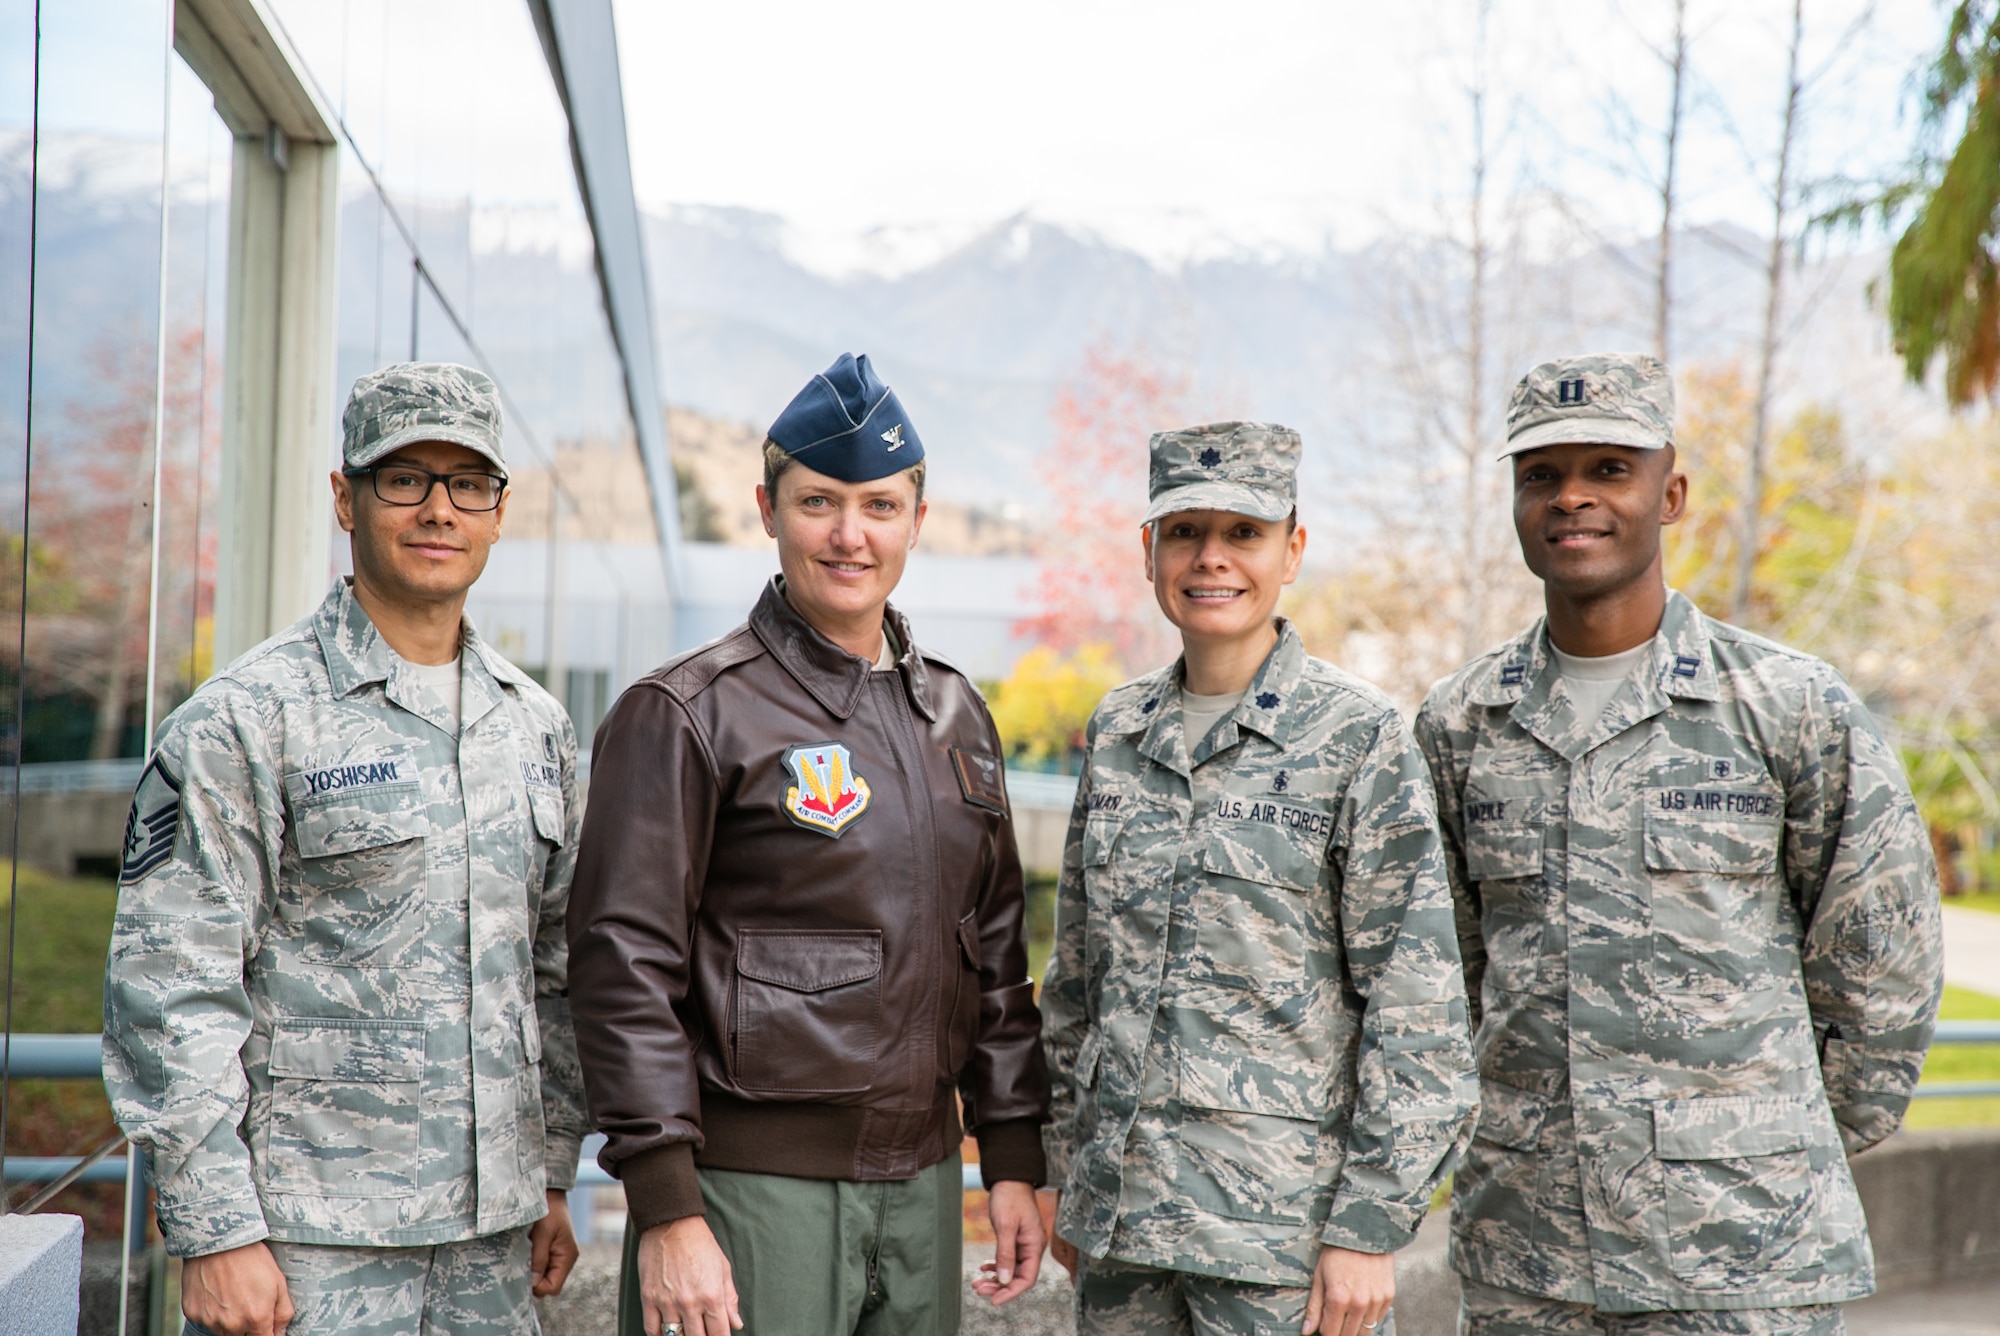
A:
x: 1211, y: 457
x: 153, y: 824
x: 894, y: 436
x: 828, y: 797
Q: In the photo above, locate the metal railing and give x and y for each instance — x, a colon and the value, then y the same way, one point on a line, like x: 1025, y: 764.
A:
x: 1961, y: 1032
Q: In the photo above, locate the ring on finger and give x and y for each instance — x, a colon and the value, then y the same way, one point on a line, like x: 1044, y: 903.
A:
x: 671, y: 1329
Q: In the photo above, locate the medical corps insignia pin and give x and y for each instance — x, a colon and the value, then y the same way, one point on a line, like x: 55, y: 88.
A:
x: 829, y: 796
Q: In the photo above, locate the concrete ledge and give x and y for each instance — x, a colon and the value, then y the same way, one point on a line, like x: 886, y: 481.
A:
x: 1933, y: 1203
x: 41, y: 1266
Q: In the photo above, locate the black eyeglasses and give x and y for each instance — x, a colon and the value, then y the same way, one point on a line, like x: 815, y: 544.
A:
x: 408, y: 485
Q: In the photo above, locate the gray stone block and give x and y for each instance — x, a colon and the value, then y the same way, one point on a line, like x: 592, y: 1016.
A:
x: 98, y: 1310
x: 41, y: 1265
x: 1933, y: 1204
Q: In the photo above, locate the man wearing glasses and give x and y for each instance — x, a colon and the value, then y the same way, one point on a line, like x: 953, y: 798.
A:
x: 335, y: 1009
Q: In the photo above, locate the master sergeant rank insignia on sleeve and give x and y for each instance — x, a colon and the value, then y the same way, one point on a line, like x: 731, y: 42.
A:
x: 153, y: 823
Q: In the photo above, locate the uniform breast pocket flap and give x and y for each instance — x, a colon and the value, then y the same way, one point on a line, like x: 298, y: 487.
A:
x: 1100, y: 833
x: 358, y: 819
x: 1503, y: 839
x: 1270, y: 854
x: 548, y: 808
x: 1739, y: 841
x: 344, y: 1107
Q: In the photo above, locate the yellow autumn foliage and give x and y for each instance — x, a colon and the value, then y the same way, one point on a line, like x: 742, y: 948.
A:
x: 1044, y: 705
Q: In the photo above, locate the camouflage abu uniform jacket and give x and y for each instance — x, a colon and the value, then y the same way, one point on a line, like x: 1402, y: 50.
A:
x: 1254, y: 1014
x: 335, y: 1009
x: 1703, y: 934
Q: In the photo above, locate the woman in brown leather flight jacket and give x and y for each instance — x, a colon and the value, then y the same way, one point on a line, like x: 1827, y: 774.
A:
x: 796, y: 929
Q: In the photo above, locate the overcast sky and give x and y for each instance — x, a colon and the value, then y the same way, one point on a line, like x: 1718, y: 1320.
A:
x: 1259, y: 120
x: 1160, y: 122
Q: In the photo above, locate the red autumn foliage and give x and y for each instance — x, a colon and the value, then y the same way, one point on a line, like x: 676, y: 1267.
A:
x: 1093, y: 587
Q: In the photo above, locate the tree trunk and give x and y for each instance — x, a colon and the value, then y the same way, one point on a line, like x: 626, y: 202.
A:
x: 1752, y: 501
x: 134, y: 584
x: 1472, y: 622
x: 1677, y: 73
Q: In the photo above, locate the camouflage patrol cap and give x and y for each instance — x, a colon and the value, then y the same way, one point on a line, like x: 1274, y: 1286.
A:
x: 1245, y: 468
x: 420, y: 401
x: 1602, y: 399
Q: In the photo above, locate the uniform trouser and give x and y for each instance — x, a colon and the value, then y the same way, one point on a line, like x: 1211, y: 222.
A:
x: 478, y: 1287
x: 1124, y: 1299
x: 814, y: 1257
x: 1486, y: 1310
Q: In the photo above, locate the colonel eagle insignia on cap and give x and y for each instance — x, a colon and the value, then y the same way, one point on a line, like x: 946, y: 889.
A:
x: 848, y: 425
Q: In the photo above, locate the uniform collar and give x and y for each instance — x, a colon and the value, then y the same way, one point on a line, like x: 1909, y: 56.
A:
x: 1151, y: 706
x: 831, y: 675
x: 1524, y: 672
x: 357, y: 656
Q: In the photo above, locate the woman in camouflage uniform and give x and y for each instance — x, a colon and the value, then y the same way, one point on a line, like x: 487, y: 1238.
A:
x: 1254, y: 1015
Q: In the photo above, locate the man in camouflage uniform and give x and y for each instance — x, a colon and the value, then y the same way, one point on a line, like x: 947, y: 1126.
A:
x: 1698, y: 914
x: 335, y: 1009
x: 1254, y: 1012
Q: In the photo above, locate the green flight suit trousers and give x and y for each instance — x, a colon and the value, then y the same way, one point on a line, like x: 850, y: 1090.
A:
x: 817, y: 1256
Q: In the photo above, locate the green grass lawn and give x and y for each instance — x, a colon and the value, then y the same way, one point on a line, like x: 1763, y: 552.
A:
x: 1962, y: 1062
x: 1987, y: 903
x: 62, y: 927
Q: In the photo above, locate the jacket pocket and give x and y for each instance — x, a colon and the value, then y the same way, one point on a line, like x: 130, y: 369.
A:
x: 1259, y: 922
x: 1497, y: 1198
x: 1247, y: 1166
x: 965, y: 1000
x: 344, y: 1108
x: 361, y: 865
x: 808, y: 1009
x: 1741, y: 1209
x: 1510, y: 1119
x: 548, y: 809
x: 1427, y: 1080
x: 1506, y: 860
x: 1715, y: 890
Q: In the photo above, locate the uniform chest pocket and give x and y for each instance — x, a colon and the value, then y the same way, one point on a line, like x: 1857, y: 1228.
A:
x: 361, y: 869
x: 1100, y: 834
x: 1712, y: 869
x: 1260, y: 928
x: 547, y: 804
x: 344, y: 1108
x: 1504, y: 855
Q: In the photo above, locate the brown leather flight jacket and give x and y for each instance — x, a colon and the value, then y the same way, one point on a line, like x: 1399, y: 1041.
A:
x: 795, y: 928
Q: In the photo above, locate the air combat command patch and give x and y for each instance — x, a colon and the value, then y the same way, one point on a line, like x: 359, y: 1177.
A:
x: 829, y: 796
x: 153, y: 823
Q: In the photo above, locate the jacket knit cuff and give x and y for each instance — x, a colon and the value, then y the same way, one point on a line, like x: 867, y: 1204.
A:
x: 660, y: 1185
x: 1012, y: 1152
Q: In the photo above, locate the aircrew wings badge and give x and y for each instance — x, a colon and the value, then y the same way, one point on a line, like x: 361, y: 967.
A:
x: 829, y: 796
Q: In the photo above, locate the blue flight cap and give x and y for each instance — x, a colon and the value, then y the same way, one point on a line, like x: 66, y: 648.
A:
x: 848, y: 425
